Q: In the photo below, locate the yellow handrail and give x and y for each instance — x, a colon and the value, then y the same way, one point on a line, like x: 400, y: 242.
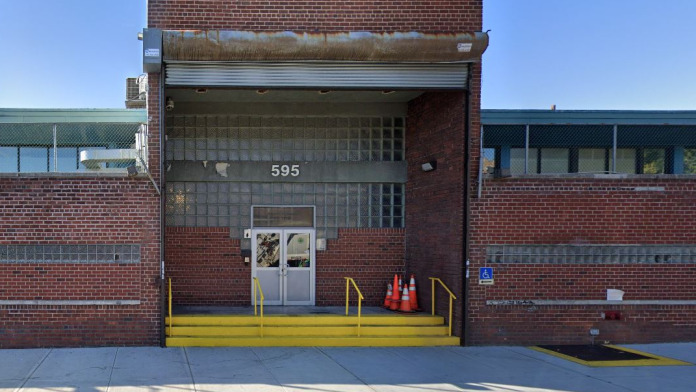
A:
x: 360, y: 298
x: 451, y: 297
x: 170, y: 307
x: 259, y: 291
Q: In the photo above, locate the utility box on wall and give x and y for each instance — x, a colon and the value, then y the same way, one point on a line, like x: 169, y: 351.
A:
x: 152, y: 50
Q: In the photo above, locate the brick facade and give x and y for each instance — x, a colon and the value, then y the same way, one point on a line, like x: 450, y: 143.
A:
x: 649, y: 211
x: 207, y: 269
x: 321, y: 16
x: 435, y: 210
x: 370, y: 256
x: 79, y: 211
x: 436, y: 130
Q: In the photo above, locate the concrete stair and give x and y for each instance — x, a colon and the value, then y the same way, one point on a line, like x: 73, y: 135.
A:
x: 308, y: 330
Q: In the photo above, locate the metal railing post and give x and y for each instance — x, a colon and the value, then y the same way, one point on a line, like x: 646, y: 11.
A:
x: 55, y: 148
x: 360, y: 298
x: 432, y: 291
x: 258, y: 291
x: 613, y: 152
x: 347, y: 294
x: 452, y: 297
x: 526, y: 149
x: 171, y: 321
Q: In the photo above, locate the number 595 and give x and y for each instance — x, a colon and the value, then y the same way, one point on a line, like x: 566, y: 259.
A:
x: 285, y: 170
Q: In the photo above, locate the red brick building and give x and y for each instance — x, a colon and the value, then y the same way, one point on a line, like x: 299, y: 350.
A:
x: 577, y: 205
x: 285, y: 139
x: 301, y: 129
x: 302, y: 142
x: 79, y: 237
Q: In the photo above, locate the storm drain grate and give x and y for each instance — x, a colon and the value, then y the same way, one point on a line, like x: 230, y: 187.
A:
x: 606, y: 355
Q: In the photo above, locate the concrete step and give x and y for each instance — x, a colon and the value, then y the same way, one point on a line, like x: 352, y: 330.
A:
x: 335, y: 320
x: 312, y: 341
x: 309, y: 330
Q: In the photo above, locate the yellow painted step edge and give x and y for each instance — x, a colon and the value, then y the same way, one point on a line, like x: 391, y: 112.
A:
x: 305, y: 320
x: 314, y: 342
x: 309, y: 330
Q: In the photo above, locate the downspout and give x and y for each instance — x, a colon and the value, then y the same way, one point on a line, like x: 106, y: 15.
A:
x: 163, y: 297
x: 467, y: 186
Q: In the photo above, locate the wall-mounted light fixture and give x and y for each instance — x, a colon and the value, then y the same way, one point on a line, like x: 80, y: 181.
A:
x: 132, y: 171
x: 429, y: 166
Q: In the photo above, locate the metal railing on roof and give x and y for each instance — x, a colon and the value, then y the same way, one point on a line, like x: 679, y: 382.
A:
x: 72, y: 147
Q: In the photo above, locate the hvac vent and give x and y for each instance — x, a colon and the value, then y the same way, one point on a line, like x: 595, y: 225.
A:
x: 135, y: 93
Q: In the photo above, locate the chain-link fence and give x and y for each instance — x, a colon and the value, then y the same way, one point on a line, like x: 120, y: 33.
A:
x: 557, y: 149
x: 71, y: 147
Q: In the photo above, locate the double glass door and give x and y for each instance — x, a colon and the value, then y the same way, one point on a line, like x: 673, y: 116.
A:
x: 284, y: 262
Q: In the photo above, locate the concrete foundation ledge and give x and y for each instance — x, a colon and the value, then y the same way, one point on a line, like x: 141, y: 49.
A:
x: 554, y: 302
x: 116, y: 302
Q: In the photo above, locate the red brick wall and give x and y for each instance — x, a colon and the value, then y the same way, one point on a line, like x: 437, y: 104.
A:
x: 370, y: 256
x: 74, y: 211
x: 529, y: 325
x: 206, y: 267
x: 435, y: 200
x: 582, y: 211
x: 256, y: 15
x: 79, y: 326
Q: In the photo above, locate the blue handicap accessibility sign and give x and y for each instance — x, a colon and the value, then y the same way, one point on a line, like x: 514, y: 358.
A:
x: 486, y: 273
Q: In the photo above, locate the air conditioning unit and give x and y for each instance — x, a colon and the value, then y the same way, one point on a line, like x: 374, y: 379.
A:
x: 142, y: 86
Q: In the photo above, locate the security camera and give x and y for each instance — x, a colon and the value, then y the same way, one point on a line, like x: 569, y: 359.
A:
x: 170, y: 104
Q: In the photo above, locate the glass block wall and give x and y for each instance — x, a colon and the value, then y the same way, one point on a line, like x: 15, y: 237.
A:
x: 279, y: 139
x: 311, y: 139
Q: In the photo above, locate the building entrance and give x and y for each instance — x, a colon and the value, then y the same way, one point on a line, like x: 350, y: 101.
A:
x: 283, y: 260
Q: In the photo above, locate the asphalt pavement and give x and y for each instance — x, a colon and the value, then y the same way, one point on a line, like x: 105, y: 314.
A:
x: 324, y: 369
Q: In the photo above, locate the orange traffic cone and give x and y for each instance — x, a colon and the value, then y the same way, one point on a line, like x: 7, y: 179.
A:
x: 405, y: 303
x: 387, y: 299
x: 395, y: 295
x: 412, y: 293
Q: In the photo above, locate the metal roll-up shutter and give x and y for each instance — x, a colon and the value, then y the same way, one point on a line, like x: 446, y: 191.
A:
x: 318, y: 75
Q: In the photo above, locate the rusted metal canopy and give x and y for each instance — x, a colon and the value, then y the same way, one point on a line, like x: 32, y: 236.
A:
x: 415, y: 47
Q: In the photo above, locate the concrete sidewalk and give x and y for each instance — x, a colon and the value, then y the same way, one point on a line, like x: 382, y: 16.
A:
x: 333, y: 369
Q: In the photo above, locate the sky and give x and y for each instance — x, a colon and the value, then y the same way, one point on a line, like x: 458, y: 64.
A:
x: 590, y: 54
x: 575, y: 54
x: 69, y: 53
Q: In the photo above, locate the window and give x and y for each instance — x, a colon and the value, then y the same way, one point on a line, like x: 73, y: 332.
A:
x: 33, y: 159
x: 554, y: 160
x: 592, y: 160
x: 517, y: 160
x: 488, y: 157
x: 67, y: 159
x: 653, y: 161
x: 283, y: 217
x: 625, y: 160
x: 690, y: 161
x: 8, y: 159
